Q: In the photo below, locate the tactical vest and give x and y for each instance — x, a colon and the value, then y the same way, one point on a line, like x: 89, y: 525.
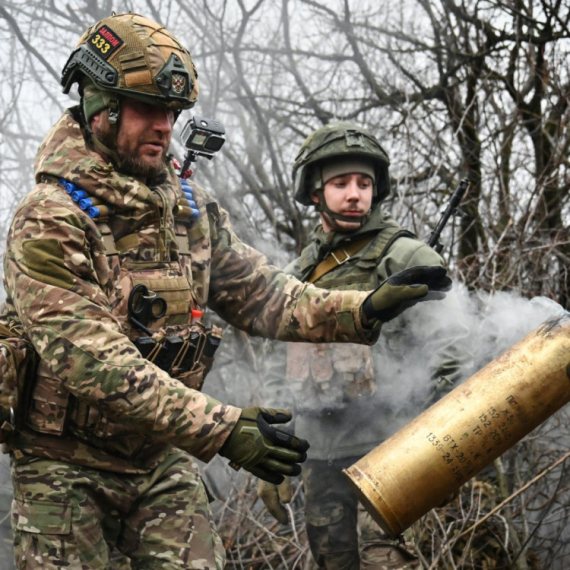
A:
x: 328, y: 376
x: 180, y: 343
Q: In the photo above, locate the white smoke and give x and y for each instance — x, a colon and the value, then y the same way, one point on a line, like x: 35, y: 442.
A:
x: 498, y: 321
x: 470, y: 328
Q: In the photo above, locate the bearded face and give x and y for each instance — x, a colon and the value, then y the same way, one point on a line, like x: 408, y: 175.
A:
x: 143, y: 137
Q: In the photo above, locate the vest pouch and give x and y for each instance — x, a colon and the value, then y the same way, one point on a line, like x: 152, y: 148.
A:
x: 194, y: 378
x: 196, y: 358
x: 354, y: 366
x: 47, y: 408
x: 329, y: 376
x: 311, y: 375
x: 18, y: 363
x: 309, y: 364
x: 168, y: 281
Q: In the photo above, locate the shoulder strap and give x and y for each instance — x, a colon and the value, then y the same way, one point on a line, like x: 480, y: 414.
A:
x: 107, y: 237
x: 342, y: 254
x: 338, y: 257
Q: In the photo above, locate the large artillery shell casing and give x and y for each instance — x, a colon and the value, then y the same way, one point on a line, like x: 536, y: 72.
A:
x: 418, y: 467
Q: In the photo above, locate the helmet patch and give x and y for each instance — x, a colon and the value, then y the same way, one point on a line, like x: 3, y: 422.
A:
x: 178, y: 83
x: 104, y: 42
x: 354, y: 138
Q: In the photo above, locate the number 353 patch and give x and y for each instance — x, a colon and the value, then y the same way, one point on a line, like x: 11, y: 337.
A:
x: 104, y: 42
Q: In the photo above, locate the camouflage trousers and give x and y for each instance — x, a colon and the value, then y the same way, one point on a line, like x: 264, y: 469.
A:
x: 342, y: 535
x: 73, y: 517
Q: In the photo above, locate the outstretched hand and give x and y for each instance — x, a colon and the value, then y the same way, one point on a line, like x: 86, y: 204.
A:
x: 404, y: 289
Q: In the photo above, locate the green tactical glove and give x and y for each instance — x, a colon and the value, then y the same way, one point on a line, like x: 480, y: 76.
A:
x: 404, y: 289
x: 275, y: 496
x: 267, y: 452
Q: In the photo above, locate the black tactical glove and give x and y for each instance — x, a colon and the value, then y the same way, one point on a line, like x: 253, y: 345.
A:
x: 267, y: 452
x: 404, y: 289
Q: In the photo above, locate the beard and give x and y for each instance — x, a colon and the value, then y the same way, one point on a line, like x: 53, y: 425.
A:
x: 135, y: 166
x: 130, y: 161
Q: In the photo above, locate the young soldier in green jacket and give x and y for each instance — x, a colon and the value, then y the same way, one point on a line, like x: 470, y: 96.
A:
x: 342, y: 394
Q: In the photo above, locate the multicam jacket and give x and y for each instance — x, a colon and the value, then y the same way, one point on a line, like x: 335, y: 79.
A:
x: 348, y: 398
x: 95, y: 400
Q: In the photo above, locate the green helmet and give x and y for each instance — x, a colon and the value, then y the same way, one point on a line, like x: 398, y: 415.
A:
x: 336, y: 141
x: 130, y: 55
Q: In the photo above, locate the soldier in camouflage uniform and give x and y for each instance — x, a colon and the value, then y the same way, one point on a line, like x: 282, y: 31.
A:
x: 343, y: 394
x: 107, y: 271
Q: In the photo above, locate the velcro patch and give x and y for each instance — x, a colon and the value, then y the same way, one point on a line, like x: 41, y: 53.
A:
x: 45, y: 262
x: 104, y: 42
x: 136, y: 78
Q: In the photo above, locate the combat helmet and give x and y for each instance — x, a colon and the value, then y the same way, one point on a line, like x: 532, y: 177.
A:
x: 133, y: 56
x: 128, y: 54
x: 337, y: 141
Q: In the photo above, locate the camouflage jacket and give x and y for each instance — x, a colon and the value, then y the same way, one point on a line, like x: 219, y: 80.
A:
x: 348, y: 398
x: 96, y: 401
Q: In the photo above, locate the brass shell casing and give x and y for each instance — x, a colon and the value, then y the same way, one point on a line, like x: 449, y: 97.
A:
x: 422, y: 464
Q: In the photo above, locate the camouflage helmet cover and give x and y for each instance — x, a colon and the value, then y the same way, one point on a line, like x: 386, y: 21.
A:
x: 134, y: 56
x: 334, y: 141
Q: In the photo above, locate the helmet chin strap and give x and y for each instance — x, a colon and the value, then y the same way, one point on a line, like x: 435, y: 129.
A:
x: 334, y: 216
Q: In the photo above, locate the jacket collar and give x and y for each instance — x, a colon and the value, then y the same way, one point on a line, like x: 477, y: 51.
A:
x: 322, y: 243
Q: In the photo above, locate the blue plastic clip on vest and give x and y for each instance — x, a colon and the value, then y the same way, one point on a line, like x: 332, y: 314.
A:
x: 80, y: 196
x: 187, y: 190
x: 77, y: 195
x: 86, y: 203
x: 93, y: 212
x: 190, y: 199
x: 69, y: 187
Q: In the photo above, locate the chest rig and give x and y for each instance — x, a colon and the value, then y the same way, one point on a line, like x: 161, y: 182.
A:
x: 329, y: 376
x: 155, y: 299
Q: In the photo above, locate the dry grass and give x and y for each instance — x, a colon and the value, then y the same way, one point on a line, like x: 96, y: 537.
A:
x: 469, y: 533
